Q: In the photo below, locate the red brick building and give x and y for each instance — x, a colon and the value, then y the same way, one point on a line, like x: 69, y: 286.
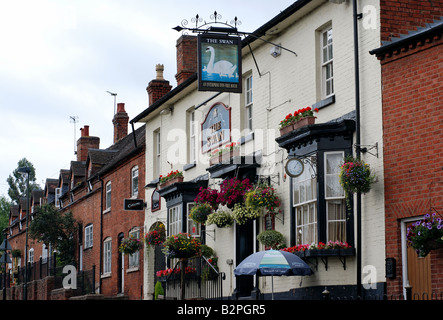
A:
x: 412, y: 66
x: 94, y: 189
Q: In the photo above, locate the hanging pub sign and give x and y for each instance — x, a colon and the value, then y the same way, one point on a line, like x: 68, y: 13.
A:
x: 216, y: 128
x: 219, y: 63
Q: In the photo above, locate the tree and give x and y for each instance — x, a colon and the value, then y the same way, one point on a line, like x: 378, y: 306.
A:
x: 5, y: 207
x: 18, y: 181
x: 51, y: 226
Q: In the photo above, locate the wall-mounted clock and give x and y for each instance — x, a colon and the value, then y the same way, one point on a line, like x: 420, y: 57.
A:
x: 294, y: 167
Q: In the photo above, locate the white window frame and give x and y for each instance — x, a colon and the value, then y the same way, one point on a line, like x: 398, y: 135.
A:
x: 31, y: 255
x: 175, y: 219
x: 192, y: 137
x: 327, y: 65
x: 339, y: 199
x: 107, y: 256
x: 157, y: 153
x: 134, y: 181
x: 58, y: 193
x: 305, y: 205
x: 248, y: 102
x: 108, y: 193
x: 89, y: 232
x: 134, y: 259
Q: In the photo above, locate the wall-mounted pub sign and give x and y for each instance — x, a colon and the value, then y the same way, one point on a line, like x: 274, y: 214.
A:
x: 216, y: 128
x: 219, y: 63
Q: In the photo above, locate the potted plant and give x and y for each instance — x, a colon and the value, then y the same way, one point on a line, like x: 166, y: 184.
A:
x: 130, y: 245
x: 16, y: 253
x: 232, y: 191
x: 156, y: 236
x: 242, y: 214
x: 200, y: 212
x: 304, y: 117
x: 182, y: 246
x: 271, y: 238
x: 331, y: 248
x: 263, y: 196
x: 426, y: 234
x: 298, y: 119
x: 224, y: 154
x: 221, y: 218
x: 355, y: 176
x: 171, y: 178
x: 207, y: 195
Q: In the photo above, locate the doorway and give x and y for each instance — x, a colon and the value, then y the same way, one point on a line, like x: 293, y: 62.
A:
x: 121, y: 266
x: 416, y: 270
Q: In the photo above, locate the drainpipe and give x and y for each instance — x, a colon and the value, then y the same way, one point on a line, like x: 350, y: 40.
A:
x: 357, y: 114
x: 100, y: 262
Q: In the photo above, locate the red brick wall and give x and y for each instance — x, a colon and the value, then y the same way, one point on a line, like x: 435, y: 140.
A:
x: 400, y: 16
x: 186, y: 57
x: 413, y: 146
x: 118, y: 221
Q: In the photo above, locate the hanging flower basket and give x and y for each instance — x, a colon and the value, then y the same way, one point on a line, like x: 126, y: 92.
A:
x: 221, y: 218
x: 271, y: 239
x: 209, y: 196
x: 130, y: 245
x: 356, y: 176
x: 232, y: 191
x: 156, y: 236
x: 242, y: 214
x: 171, y: 178
x: 263, y: 197
x: 200, y: 212
x: 426, y: 235
x: 182, y: 246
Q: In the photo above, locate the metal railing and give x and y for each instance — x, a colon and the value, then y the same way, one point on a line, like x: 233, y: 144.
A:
x: 201, y: 280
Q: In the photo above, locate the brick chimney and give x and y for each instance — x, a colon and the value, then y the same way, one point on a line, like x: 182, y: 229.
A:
x: 186, y: 57
x: 120, y: 122
x: 86, y: 142
x: 158, y: 87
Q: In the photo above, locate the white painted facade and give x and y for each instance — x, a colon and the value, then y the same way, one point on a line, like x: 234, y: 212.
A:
x: 282, y: 85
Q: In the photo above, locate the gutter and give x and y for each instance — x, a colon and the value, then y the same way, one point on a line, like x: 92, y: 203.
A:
x: 357, y: 16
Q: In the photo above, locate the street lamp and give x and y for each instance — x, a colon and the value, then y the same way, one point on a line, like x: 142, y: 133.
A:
x: 26, y: 170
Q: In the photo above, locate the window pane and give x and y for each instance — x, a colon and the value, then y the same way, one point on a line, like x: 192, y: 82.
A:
x: 336, y: 215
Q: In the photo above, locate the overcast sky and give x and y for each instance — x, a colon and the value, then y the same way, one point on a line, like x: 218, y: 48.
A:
x: 59, y: 57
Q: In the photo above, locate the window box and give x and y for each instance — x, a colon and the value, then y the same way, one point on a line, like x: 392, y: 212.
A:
x: 171, y: 181
x: 326, y: 253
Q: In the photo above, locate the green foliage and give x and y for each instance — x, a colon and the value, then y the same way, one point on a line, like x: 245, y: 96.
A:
x: 271, y: 238
x: 5, y: 207
x: 57, y: 228
x: 200, y: 212
x: 18, y: 181
x: 158, y: 290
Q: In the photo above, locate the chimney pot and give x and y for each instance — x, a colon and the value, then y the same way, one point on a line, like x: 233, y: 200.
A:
x: 159, y: 68
x: 120, y: 107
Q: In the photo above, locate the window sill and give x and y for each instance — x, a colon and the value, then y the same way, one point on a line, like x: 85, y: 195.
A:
x: 133, y: 269
x: 246, y: 138
x: 324, y: 103
x: 107, y: 211
x: 323, y: 254
x: 106, y: 275
x: 188, y: 166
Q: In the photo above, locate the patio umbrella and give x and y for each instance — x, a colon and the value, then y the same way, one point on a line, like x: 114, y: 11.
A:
x: 272, y: 263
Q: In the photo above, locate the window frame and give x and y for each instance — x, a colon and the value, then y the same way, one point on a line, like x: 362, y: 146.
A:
x: 327, y: 63
x: 107, y: 256
x: 134, y: 259
x: 175, y: 225
x: 89, y: 236
x: 108, y: 195
x: 157, y: 153
x: 191, y: 223
x: 249, y: 102
x: 134, y: 185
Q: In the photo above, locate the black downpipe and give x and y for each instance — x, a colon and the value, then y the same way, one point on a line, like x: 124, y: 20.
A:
x: 100, y: 262
x: 357, y: 115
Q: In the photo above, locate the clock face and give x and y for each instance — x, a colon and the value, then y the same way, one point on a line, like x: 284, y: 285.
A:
x: 294, y: 167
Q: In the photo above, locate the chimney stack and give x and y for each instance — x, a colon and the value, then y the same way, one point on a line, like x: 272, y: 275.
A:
x: 158, y: 87
x: 120, y: 122
x: 186, y: 57
x: 86, y: 142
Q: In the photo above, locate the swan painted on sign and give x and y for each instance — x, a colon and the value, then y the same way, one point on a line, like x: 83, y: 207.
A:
x: 221, y: 67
